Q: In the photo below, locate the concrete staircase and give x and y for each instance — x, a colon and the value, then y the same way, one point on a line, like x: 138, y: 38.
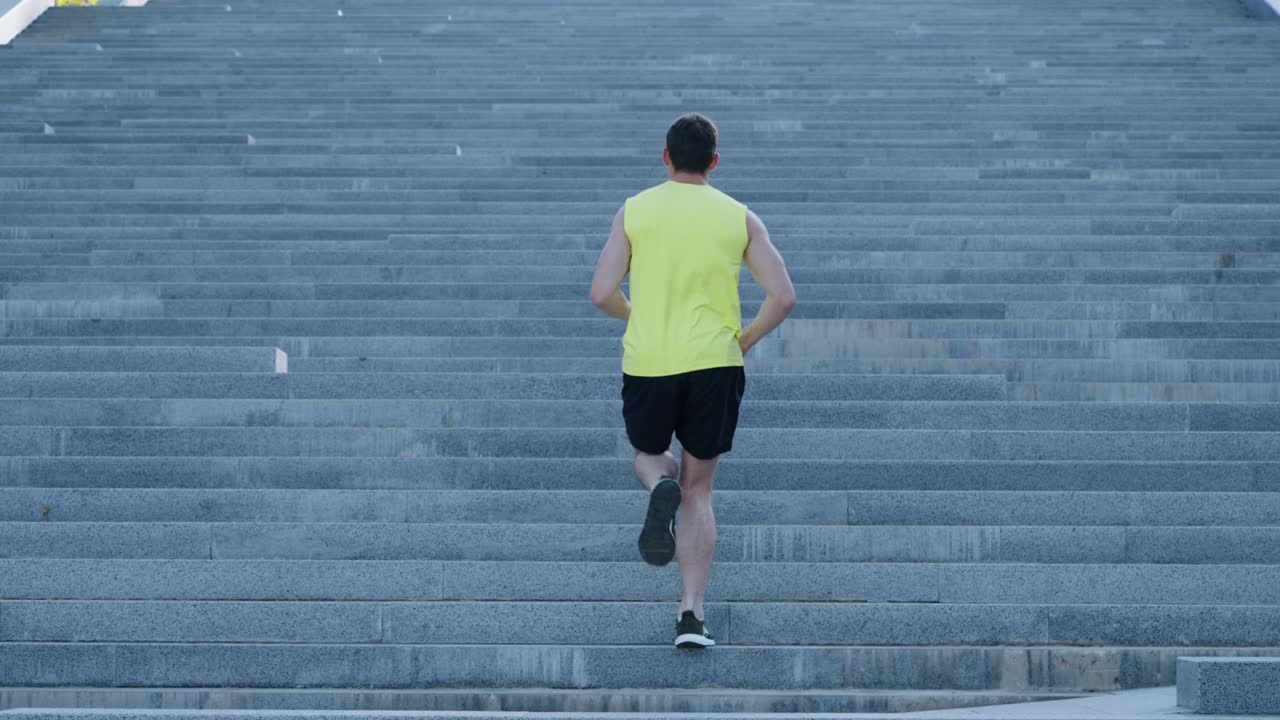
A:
x: 1020, y: 440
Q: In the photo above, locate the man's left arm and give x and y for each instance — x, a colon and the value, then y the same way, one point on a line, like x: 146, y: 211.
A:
x: 611, y: 268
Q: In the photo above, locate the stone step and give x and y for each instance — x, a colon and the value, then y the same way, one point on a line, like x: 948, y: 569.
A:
x: 314, y: 192
x: 507, y: 386
x: 797, y: 443
x: 417, y: 274
x: 734, y: 507
x: 144, y: 308
x: 467, y: 473
x: 145, y: 359
x: 567, y: 292
x: 1047, y: 371
x: 635, y: 623
x: 408, y: 348
x: 961, y: 262
x: 419, y: 580
x: 880, y: 414
x: 616, y: 543
x: 66, y: 244
x: 248, y: 665
x: 629, y: 702
x: 1145, y: 392
x: 1061, y: 370
x: 480, y: 182
x: 258, y: 328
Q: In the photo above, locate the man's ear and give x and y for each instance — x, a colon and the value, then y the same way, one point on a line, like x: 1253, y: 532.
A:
x: 715, y: 160
x: 666, y: 157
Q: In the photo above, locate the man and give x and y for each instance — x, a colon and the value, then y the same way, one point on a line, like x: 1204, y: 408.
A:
x: 684, y: 243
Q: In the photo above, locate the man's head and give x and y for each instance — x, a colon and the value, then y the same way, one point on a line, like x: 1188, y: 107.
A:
x: 691, y: 145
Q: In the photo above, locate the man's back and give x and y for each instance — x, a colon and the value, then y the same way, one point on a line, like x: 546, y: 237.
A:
x: 687, y: 244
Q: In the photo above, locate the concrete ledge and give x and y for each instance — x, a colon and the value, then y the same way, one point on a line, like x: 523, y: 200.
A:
x: 1229, y: 685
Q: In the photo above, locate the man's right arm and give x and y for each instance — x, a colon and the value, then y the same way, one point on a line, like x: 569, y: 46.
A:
x: 770, y: 273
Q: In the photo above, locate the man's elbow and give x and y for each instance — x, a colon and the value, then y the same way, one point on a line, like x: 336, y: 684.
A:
x: 598, y: 299
x: 787, y: 300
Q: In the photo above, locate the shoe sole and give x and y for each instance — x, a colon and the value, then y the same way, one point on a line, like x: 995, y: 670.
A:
x: 657, y: 543
x: 691, y: 641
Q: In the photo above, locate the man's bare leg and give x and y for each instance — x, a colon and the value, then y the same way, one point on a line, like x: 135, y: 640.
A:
x: 696, y: 538
x: 651, y: 468
x: 658, y: 473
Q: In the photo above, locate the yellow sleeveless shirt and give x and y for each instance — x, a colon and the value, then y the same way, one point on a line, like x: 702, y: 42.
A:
x: 687, y: 243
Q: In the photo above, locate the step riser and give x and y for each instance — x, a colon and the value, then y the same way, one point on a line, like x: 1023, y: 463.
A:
x: 417, y: 580
x: 616, y: 543
x: 553, y: 623
x: 496, y: 700
x: 749, y: 443
x: 1066, y: 669
x: 604, y: 473
x: 733, y: 507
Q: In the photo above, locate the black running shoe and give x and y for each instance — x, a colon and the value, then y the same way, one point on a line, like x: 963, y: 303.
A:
x: 691, y: 633
x: 658, y: 538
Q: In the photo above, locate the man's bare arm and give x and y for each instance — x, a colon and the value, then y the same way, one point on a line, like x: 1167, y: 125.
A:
x: 770, y: 272
x: 611, y: 268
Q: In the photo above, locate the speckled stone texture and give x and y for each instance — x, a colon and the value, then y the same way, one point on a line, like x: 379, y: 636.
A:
x: 304, y: 406
x: 1229, y: 685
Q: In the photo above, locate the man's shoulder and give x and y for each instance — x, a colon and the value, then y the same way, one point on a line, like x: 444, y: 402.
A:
x: 728, y: 198
x: 647, y: 192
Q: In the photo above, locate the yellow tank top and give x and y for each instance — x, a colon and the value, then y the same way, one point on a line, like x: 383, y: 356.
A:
x: 687, y: 243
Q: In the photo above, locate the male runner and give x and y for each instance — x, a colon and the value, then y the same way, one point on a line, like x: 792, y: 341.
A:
x: 684, y: 243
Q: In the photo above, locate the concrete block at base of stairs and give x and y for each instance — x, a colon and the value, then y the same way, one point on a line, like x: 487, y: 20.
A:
x: 1229, y: 685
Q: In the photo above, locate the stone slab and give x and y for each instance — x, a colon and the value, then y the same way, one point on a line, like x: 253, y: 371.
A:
x: 1245, y: 686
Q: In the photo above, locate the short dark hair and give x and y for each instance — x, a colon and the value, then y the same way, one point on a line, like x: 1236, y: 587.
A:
x: 691, y: 141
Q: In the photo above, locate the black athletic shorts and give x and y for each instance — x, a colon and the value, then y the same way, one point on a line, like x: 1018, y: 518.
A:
x: 700, y: 407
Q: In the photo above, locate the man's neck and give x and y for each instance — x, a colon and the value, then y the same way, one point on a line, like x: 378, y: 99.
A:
x: 689, y: 178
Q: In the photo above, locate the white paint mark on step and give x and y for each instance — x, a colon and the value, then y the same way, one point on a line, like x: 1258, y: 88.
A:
x: 340, y: 13
x: 457, y: 149
x: 48, y: 129
x: 251, y: 139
